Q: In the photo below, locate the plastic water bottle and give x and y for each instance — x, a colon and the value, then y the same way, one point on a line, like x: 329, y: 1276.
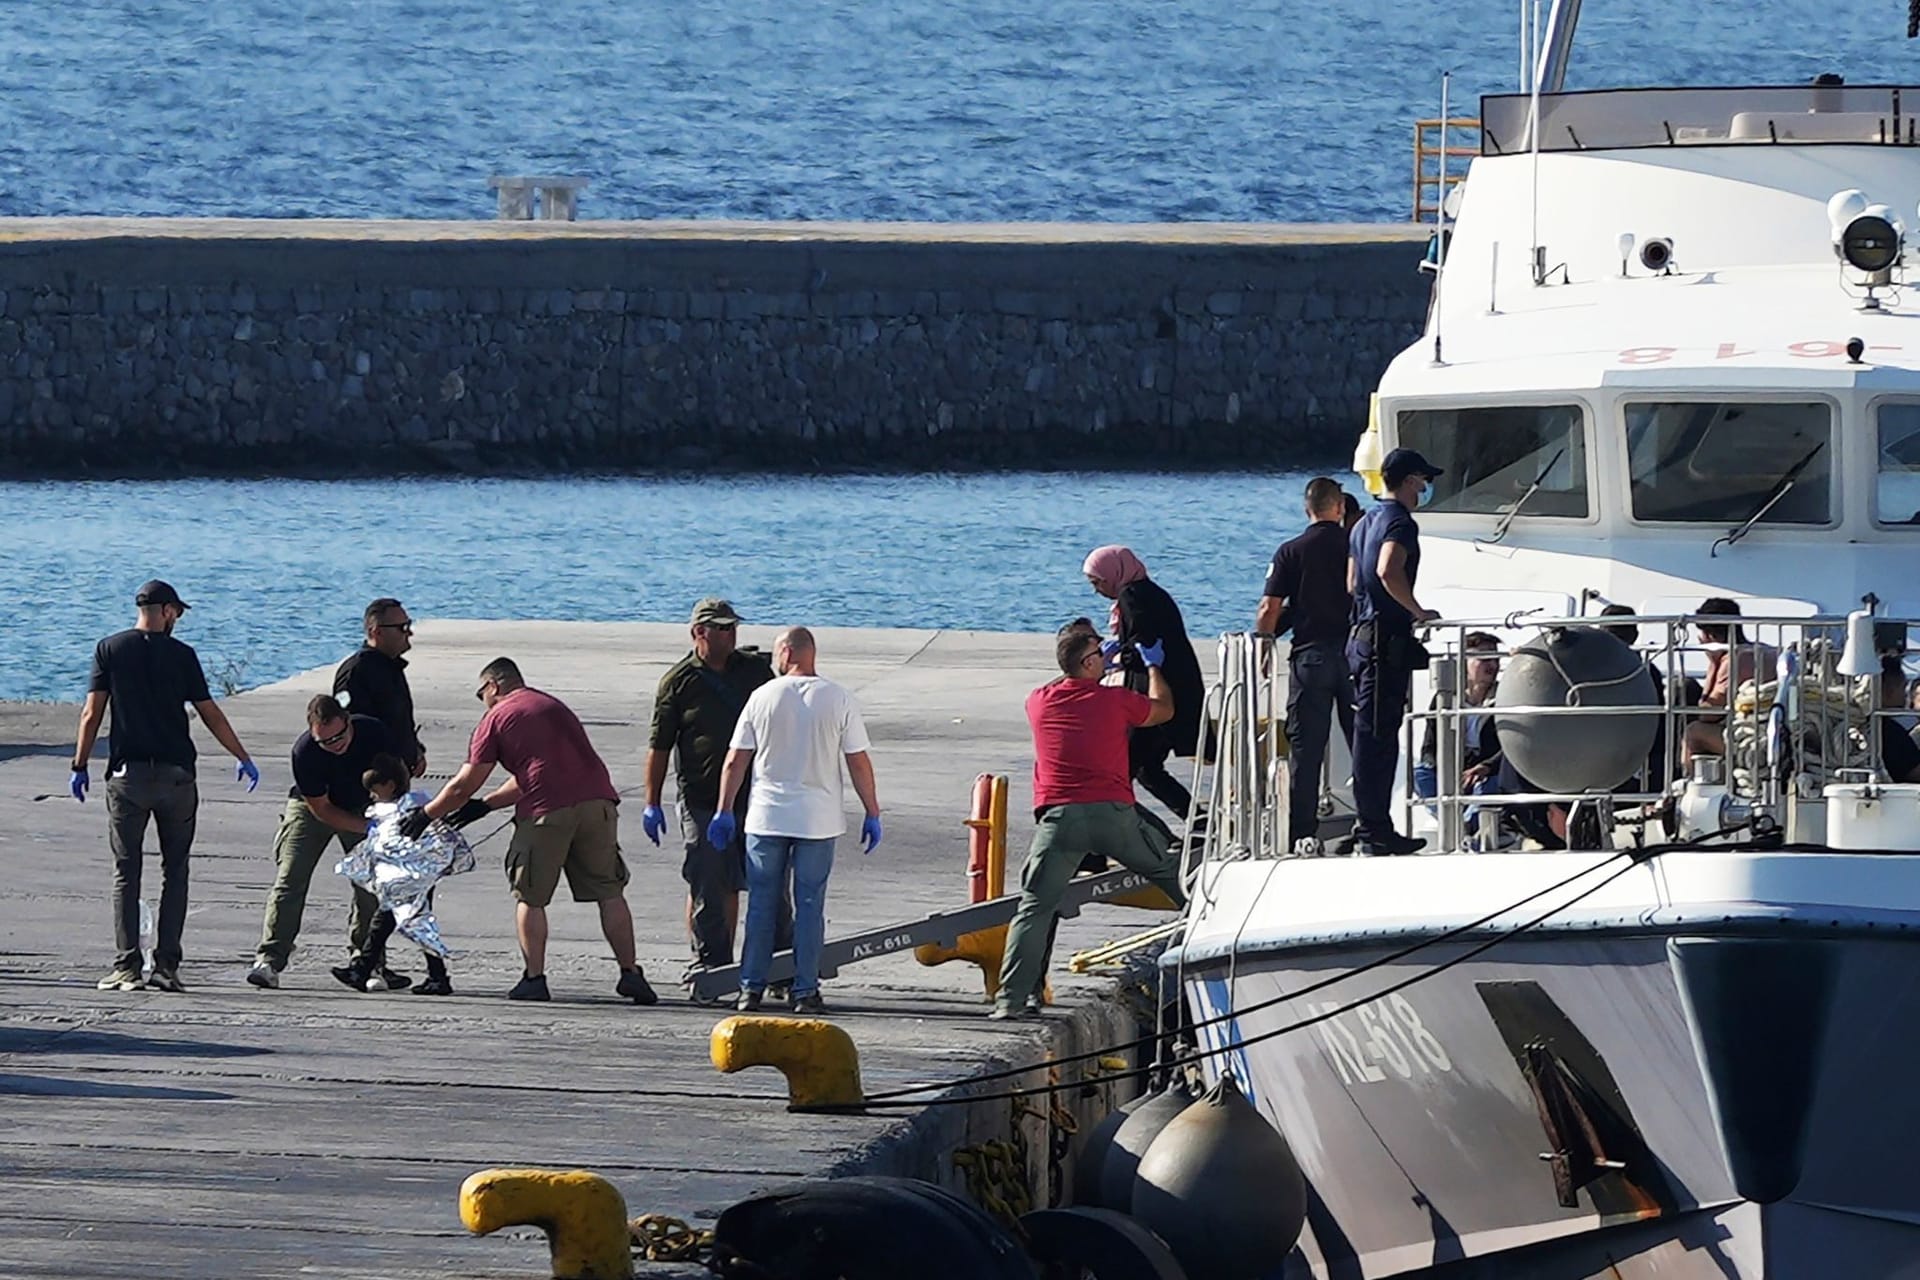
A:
x: 146, y: 936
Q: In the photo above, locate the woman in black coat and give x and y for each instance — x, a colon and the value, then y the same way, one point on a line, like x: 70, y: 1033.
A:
x: 1143, y: 613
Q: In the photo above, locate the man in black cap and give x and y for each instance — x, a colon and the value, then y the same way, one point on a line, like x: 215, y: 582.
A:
x: 1306, y: 593
x: 1382, y: 654
x: 148, y: 678
x: 695, y: 709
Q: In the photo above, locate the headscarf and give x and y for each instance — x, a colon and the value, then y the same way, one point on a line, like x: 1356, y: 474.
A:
x: 1114, y: 567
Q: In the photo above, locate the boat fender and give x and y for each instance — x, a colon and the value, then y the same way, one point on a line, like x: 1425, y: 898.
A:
x: 1576, y: 666
x: 864, y: 1228
x: 1102, y: 1242
x: 1091, y: 1160
x: 1131, y: 1140
x: 1221, y: 1187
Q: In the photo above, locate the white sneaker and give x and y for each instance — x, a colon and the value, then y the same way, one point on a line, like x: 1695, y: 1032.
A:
x: 263, y: 975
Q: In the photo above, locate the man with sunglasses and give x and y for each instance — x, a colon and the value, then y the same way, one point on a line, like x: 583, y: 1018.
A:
x: 372, y: 680
x: 695, y: 710
x: 328, y: 802
x: 1083, y: 800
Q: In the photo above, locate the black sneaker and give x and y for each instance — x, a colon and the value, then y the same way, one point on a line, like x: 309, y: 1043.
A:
x: 1390, y: 845
x: 530, y: 988
x: 435, y: 986
x: 634, y: 986
x: 780, y: 990
x: 749, y: 1002
x: 164, y: 980
x: 1033, y: 1006
x: 810, y: 1004
x: 352, y: 974
x: 388, y: 980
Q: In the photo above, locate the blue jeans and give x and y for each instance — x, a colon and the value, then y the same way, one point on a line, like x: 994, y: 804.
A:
x: 769, y: 859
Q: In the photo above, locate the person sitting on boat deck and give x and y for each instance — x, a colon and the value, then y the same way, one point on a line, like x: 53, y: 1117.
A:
x: 1144, y: 614
x: 1306, y: 593
x: 1083, y: 800
x: 1732, y: 660
x: 1382, y: 566
x: 1899, y: 750
x: 1481, y: 754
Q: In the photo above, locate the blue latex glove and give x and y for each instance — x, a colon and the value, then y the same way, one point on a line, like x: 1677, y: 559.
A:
x: 78, y: 785
x: 1110, y: 650
x: 246, y: 771
x: 653, y: 822
x: 721, y: 830
x: 870, y: 835
x: 1154, y: 655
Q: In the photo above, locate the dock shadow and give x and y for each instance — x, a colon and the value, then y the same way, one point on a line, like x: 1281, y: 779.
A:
x: 79, y: 1040
x: 58, y: 1087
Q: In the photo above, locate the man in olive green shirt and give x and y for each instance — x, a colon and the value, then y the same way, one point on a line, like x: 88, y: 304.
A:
x: 694, y: 711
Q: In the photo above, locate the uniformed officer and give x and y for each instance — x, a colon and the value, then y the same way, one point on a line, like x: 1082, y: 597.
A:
x: 1382, y: 654
x: 1306, y: 593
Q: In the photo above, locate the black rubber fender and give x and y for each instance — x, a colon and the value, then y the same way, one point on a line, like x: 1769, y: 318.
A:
x: 863, y: 1228
x: 1102, y: 1243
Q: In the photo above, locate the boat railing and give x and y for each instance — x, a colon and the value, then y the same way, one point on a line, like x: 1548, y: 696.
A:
x: 1785, y: 723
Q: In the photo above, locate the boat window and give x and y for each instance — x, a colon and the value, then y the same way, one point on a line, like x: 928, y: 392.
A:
x: 1720, y: 463
x: 1896, y: 498
x: 1492, y: 454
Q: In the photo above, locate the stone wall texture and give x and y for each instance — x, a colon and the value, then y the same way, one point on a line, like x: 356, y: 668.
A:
x: 202, y: 353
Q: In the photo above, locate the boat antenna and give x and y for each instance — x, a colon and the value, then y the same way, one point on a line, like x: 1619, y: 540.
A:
x: 1538, y: 251
x: 1440, y: 211
x: 1526, y: 45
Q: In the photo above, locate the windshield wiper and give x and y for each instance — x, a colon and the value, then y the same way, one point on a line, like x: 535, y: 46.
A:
x: 1506, y: 521
x: 1781, y: 488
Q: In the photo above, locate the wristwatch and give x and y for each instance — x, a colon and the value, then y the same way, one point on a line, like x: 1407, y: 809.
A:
x: 79, y: 766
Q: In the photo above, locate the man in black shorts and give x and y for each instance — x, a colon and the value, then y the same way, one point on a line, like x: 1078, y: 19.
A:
x: 148, y: 678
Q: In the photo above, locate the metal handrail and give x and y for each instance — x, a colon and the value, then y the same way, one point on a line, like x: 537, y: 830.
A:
x: 1441, y: 154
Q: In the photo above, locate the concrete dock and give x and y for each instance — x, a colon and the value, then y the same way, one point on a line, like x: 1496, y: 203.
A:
x: 311, y: 1131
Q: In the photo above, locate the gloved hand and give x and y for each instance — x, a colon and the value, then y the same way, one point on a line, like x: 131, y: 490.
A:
x: 472, y: 811
x: 373, y: 825
x: 78, y: 785
x: 413, y: 823
x: 246, y: 771
x: 722, y: 829
x: 870, y: 835
x: 1110, y: 650
x: 1153, y: 655
x: 653, y: 822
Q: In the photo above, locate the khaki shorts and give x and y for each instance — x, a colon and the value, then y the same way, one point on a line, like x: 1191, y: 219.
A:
x: 583, y: 840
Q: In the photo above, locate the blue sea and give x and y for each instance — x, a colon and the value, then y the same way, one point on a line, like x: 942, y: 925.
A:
x: 278, y: 571
x: 941, y: 110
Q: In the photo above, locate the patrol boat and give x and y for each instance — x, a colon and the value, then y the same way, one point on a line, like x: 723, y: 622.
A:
x: 1673, y: 352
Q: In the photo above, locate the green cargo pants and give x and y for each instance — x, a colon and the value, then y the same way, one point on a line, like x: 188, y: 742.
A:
x: 1064, y: 835
x: 296, y: 854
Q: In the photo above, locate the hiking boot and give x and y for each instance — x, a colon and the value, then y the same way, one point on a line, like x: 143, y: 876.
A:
x: 530, y: 988
x: 634, y: 986
x: 352, y: 974
x: 164, y: 980
x: 435, y: 985
x: 385, y: 979
x: 122, y: 980
x: 749, y: 1002
x: 810, y: 1004
x: 264, y: 975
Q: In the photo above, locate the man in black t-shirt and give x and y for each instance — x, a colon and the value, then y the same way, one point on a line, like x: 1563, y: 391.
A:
x: 147, y: 678
x: 372, y: 680
x: 328, y: 802
x: 1306, y: 593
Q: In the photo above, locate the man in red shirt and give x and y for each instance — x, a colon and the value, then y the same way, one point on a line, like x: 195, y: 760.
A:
x: 565, y: 820
x: 1082, y: 799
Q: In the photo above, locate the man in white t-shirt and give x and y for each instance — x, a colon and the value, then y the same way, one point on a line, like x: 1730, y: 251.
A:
x: 792, y: 734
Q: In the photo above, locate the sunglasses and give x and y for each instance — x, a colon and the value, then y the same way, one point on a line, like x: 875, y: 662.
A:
x: 395, y: 626
x: 330, y: 739
x: 480, y: 694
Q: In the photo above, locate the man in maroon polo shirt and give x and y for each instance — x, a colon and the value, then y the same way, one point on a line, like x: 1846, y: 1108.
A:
x: 565, y: 820
x: 1082, y: 799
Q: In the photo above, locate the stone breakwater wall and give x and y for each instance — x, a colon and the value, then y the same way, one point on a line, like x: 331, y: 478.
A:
x: 142, y: 347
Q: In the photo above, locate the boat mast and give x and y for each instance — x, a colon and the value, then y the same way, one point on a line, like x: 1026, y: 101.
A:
x: 1556, y: 45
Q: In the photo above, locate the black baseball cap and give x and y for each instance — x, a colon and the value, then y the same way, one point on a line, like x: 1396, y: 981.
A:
x: 158, y: 592
x: 1402, y: 463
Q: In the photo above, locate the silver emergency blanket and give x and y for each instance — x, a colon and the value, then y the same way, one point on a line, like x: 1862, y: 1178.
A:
x: 400, y: 872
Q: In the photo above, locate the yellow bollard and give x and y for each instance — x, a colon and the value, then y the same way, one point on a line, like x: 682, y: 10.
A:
x: 819, y: 1060
x: 582, y: 1213
x: 983, y: 947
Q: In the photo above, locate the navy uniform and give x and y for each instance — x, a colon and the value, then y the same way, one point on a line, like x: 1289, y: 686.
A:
x: 1382, y: 656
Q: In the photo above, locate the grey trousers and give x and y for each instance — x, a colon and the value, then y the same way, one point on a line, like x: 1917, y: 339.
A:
x: 715, y: 879
x: 168, y: 795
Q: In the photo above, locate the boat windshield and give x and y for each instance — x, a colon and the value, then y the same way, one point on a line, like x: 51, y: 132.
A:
x: 1493, y: 454
x: 1719, y: 462
x: 1896, y: 498
x: 1608, y: 119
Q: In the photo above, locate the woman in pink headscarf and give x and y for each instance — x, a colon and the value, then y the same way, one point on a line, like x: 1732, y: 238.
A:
x: 1143, y: 613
